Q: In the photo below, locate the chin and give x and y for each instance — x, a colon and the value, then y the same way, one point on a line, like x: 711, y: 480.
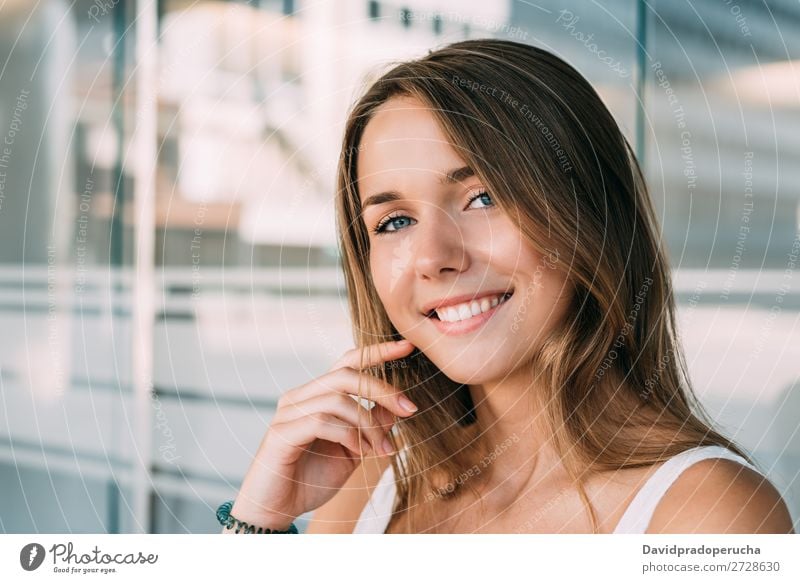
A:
x: 464, y: 379
x: 467, y: 373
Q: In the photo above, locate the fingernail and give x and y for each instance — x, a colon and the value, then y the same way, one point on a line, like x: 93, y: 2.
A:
x: 404, y: 341
x: 407, y: 405
x: 387, y: 446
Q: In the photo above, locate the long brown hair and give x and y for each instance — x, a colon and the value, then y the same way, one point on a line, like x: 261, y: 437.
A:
x: 552, y: 156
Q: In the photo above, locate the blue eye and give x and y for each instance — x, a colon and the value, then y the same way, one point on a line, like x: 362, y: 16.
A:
x: 482, y: 195
x: 390, y: 220
x: 380, y: 229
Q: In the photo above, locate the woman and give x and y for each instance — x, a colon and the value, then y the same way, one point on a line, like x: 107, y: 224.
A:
x: 492, y: 214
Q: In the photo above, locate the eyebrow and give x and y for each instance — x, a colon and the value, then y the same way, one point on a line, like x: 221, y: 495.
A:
x: 451, y: 177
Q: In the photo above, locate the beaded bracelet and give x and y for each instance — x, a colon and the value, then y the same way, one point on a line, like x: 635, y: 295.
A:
x: 225, y: 519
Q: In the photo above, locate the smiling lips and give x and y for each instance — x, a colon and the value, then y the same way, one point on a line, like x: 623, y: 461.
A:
x: 468, y: 316
x: 453, y: 301
x: 466, y: 310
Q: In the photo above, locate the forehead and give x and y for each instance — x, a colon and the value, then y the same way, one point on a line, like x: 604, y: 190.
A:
x: 401, y: 146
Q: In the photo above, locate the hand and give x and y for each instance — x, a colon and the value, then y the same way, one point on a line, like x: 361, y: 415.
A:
x: 312, y: 445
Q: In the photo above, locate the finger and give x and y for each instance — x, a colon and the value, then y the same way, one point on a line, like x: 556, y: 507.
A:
x: 343, y: 407
x: 374, y: 355
x: 380, y: 415
x: 350, y: 381
x: 370, y: 388
x: 386, y: 419
x: 375, y: 414
x: 298, y: 435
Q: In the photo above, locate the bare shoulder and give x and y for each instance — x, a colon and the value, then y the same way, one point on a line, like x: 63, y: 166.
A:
x: 340, y: 514
x: 721, y: 496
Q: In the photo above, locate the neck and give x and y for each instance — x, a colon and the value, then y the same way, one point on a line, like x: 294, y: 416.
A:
x: 520, y: 451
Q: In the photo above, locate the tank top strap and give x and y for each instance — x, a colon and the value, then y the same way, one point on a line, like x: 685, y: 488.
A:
x: 377, y: 513
x: 637, y: 516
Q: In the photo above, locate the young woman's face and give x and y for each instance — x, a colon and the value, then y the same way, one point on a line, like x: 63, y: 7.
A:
x: 441, y: 238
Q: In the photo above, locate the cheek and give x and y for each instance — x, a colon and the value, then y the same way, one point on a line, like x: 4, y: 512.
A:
x: 551, y: 298
x: 390, y: 260
x: 377, y: 266
x: 508, y: 248
x: 543, y: 293
x: 384, y: 274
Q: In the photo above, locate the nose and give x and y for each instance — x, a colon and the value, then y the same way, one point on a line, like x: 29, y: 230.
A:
x: 439, y: 248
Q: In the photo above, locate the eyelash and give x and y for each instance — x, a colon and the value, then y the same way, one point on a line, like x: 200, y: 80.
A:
x: 380, y: 228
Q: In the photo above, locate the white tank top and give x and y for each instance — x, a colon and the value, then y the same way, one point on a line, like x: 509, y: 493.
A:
x: 376, y: 514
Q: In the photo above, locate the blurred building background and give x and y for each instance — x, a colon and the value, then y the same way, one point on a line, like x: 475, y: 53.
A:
x: 135, y: 393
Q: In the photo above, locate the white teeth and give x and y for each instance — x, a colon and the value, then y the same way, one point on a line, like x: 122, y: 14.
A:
x: 469, y: 309
x: 448, y: 315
